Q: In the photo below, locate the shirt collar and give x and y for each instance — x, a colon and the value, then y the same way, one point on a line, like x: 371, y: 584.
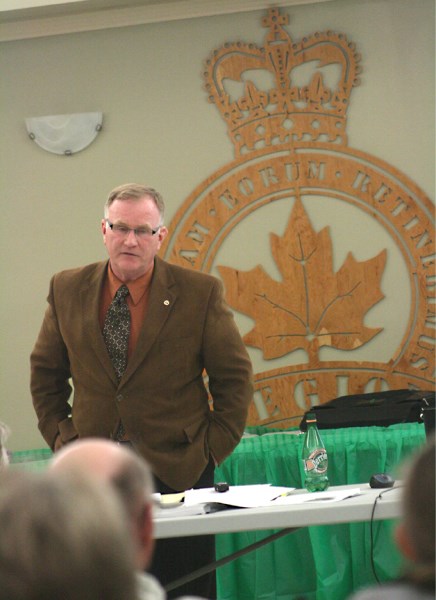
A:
x: 137, y: 287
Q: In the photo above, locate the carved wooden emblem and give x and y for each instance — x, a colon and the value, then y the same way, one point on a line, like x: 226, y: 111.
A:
x: 291, y: 151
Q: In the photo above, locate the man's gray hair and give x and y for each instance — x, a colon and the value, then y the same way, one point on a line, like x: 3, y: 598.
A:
x: 134, y: 483
x: 136, y: 191
x: 63, y: 536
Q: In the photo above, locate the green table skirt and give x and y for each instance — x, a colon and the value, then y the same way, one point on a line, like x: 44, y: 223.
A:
x: 322, y: 562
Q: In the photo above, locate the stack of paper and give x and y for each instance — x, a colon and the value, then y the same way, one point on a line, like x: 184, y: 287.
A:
x: 206, y: 500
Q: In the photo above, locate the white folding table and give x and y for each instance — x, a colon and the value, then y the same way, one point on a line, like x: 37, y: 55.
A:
x: 370, y: 505
x: 350, y: 510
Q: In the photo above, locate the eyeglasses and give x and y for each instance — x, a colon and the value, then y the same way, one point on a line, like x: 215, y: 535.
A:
x: 140, y: 232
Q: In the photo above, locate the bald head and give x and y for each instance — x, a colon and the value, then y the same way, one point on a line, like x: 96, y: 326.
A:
x: 130, y: 475
x: 98, y: 457
x: 109, y: 462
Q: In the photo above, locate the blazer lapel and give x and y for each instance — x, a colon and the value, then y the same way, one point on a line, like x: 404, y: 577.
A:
x: 90, y: 299
x: 160, y: 304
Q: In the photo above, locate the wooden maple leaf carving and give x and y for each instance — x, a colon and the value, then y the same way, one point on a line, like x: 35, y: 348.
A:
x: 312, y: 306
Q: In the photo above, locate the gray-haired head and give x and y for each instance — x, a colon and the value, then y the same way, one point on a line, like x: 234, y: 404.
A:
x: 135, y: 191
x: 63, y: 536
x: 127, y: 472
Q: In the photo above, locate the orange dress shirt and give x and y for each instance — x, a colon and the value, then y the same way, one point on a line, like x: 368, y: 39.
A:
x: 136, y: 301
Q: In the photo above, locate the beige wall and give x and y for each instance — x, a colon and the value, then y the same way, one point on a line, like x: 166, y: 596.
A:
x: 160, y: 129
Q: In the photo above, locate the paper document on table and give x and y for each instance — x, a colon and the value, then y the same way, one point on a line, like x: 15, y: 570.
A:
x: 179, y: 510
x: 206, y: 500
x: 242, y: 496
x: 316, y: 497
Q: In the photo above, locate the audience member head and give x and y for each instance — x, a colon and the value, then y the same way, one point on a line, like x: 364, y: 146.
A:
x: 112, y: 463
x: 63, y: 537
x: 4, y: 434
x: 415, y: 535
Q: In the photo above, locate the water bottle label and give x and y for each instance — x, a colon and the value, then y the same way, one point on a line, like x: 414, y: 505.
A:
x: 316, y: 462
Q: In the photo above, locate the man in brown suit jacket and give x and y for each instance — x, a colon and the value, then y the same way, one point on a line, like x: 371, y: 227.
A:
x: 180, y: 327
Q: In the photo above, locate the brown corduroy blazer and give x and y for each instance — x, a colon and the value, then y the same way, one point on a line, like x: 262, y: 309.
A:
x: 161, y: 398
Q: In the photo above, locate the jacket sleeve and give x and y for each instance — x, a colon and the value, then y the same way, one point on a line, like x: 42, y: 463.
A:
x: 230, y: 376
x: 49, y: 379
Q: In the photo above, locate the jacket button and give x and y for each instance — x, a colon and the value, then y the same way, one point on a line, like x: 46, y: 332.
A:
x: 119, y: 397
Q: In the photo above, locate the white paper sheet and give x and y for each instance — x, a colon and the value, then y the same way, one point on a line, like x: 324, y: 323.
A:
x: 243, y: 496
x: 252, y: 496
x: 197, y: 502
x: 316, y: 497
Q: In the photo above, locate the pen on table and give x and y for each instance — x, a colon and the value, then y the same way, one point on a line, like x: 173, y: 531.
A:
x: 283, y: 495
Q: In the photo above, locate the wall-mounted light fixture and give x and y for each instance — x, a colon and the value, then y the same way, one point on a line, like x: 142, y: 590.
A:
x: 65, y: 134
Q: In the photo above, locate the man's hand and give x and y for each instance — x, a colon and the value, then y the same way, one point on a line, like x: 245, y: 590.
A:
x: 58, y: 443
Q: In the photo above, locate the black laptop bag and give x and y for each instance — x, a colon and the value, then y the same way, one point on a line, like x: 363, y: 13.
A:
x: 379, y: 408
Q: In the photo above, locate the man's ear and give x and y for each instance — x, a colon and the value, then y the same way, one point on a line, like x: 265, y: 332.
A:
x: 162, y: 233
x: 404, y: 542
x: 145, y: 535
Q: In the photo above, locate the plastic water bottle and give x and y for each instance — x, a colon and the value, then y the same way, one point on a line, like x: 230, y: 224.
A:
x: 315, y: 458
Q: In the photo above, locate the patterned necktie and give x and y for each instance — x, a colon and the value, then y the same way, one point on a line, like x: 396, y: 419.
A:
x: 116, y: 330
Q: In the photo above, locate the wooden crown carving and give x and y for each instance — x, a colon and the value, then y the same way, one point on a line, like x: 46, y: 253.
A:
x: 285, y: 112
